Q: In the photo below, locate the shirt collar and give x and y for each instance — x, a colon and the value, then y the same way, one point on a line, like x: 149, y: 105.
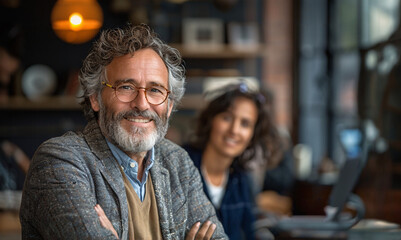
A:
x: 124, y: 160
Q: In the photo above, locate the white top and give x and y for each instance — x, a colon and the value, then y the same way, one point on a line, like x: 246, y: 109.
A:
x: 216, y: 193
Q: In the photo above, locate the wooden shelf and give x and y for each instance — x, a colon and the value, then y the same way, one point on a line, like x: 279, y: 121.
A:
x: 223, y: 51
x: 192, y: 102
x: 189, y: 101
x: 47, y: 103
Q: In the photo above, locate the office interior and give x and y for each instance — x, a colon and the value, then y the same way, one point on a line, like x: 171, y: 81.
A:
x: 331, y: 65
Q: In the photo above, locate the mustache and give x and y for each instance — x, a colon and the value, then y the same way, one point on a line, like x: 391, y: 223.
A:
x: 136, y: 113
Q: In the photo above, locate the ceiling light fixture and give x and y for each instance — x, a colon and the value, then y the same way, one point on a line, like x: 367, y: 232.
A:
x: 76, y: 21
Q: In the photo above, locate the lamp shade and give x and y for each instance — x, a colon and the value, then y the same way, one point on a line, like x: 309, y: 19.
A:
x: 76, y: 21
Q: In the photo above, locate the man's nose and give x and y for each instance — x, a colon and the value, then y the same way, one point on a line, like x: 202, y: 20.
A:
x: 140, y: 101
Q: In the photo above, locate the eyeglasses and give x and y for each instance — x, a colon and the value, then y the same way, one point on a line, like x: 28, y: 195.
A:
x: 126, y: 92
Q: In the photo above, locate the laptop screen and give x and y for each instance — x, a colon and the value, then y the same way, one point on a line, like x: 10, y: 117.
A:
x: 352, y: 142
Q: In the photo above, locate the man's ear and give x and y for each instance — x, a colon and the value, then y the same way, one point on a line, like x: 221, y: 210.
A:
x: 94, y: 102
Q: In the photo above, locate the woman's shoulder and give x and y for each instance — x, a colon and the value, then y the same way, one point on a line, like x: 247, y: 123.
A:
x: 190, y: 147
x: 194, y: 153
x: 192, y: 150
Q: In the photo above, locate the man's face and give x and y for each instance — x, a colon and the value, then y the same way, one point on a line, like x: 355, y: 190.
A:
x: 137, y: 125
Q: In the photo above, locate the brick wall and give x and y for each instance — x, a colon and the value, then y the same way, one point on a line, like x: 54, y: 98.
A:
x: 277, y: 70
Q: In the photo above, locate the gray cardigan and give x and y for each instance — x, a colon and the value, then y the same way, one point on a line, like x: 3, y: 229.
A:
x: 70, y: 174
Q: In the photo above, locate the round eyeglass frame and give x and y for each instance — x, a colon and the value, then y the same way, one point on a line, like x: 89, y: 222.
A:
x: 138, y: 88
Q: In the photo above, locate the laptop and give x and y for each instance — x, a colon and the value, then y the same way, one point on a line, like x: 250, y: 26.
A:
x: 341, y: 195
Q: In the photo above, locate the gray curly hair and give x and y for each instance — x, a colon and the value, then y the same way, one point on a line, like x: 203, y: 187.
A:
x: 118, y: 42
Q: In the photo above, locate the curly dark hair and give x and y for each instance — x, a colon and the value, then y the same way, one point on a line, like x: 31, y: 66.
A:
x: 118, y: 42
x: 264, y: 130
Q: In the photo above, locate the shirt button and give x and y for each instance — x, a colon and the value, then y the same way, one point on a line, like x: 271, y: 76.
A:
x: 132, y: 164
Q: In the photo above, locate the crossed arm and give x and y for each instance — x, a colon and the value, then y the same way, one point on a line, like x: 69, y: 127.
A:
x: 197, y: 231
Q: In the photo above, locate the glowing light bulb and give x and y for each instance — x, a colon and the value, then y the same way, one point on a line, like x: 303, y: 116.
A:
x: 75, y: 19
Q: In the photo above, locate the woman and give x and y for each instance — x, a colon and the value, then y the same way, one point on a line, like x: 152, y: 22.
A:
x: 227, y: 136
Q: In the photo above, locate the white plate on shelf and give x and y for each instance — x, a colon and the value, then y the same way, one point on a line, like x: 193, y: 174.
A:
x: 38, y: 81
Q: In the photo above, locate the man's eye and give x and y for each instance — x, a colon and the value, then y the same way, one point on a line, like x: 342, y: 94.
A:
x: 125, y: 88
x: 155, y: 90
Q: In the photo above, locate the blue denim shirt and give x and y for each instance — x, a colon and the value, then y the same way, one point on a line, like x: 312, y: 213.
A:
x: 130, y: 168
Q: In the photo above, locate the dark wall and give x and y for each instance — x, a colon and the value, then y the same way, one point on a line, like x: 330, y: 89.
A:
x: 42, y: 46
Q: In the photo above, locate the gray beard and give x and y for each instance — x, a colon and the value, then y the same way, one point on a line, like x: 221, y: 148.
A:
x: 135, y: 140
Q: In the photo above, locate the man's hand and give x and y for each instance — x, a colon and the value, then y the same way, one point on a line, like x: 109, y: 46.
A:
x: 205, y: 232
x: 104, y: 221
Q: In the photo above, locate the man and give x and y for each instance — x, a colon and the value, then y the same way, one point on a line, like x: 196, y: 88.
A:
x: 120, y: 166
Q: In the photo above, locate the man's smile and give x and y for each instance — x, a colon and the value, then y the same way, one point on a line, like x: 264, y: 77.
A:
x: 138, y: 120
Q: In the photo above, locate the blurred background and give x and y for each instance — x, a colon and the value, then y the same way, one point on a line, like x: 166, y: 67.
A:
x: 330, y: 64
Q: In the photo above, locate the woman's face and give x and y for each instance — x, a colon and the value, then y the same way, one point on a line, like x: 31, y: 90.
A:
x: 233, y: 129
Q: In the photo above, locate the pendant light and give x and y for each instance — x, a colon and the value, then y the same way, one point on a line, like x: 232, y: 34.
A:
x: 76, y: 21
